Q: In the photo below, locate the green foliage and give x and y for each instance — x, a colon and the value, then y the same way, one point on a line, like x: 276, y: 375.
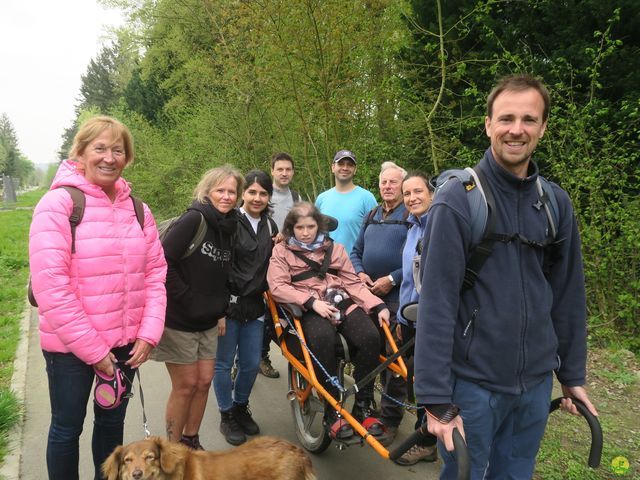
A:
x: 12, y: 162
x: 10, y: 414
x: 14, y: 270
x: 203, y: 83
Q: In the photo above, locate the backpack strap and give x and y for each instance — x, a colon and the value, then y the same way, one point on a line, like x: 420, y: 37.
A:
x: 549, y: 203
x: 370, y: 219
x: 370, y: 215
x: 138, y: 207
x: 482, y: 251
x: 77, y: 212
x: 316, y: 270
x: 295, y: 196
x: 197, y: 238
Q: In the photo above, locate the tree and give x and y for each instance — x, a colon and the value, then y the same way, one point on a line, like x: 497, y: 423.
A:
x: 12, y: 162
x: 9, y: 143
x: 205, y: 82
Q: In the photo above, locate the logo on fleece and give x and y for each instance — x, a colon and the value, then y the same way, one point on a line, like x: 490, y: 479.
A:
x: 216, y: 253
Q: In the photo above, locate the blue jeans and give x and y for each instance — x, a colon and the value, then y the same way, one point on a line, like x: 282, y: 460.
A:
x: 503, y: 431
x: 70, y: 385
x: 245, y: 340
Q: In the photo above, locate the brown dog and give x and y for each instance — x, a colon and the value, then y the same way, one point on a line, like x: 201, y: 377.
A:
x: 264, y: 458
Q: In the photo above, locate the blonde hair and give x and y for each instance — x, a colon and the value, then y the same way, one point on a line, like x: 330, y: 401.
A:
x: 214, y: 177
x: 93, y: 128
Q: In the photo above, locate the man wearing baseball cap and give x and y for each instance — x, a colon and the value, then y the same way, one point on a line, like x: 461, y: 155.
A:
x: 346, y: 202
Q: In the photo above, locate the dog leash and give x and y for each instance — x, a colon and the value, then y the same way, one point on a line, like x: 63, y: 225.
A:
x: 145, y: 425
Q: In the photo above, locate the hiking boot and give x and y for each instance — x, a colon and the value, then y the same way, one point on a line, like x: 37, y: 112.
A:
x: 230, y: 428
x: 242, y: 415
x: 191, y: 441
x: 362, y: 412
x: 388, y: 436
x: 418, y: 453
x: 267, y: 369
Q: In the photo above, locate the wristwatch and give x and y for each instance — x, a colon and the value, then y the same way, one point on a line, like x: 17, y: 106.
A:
x: 393, y: 282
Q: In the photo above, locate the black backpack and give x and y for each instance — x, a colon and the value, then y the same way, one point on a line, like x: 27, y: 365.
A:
x: 77, y: 212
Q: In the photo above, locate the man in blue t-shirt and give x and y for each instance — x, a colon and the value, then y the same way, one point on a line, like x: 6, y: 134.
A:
x: 346, y: 202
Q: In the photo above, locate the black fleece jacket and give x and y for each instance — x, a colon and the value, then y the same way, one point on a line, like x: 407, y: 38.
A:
x: 197, y: 287
x: 251, y: 254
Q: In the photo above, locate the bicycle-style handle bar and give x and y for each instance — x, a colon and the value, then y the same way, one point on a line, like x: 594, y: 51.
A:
x: 595, y: 453
x: 462, y: 453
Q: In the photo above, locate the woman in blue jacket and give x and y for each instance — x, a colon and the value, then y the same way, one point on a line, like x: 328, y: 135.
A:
x: 416, y: 192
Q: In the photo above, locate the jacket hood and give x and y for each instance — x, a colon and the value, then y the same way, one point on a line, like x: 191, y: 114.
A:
x: 69, y: 175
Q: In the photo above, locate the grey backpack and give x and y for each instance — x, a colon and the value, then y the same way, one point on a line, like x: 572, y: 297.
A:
x: 483, y: 234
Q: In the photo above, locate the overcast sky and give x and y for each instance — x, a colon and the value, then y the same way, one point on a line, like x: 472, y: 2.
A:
x: 45, y: 46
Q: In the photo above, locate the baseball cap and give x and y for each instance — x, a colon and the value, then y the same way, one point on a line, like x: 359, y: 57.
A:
x: 344, y: 154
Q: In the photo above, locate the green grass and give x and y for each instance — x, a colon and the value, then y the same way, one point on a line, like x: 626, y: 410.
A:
x: 14, y: 272
x: 30, y: 199
x: 614, y: 389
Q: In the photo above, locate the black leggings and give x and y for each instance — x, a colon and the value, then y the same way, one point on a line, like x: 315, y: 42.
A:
x: 361, y: 335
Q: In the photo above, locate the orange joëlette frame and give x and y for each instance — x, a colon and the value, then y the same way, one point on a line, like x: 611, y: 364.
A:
x: 307, y: 370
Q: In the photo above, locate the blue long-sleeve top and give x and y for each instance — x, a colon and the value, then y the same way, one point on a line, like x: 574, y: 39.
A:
x: 515, y: 325
x: 378, y: 248
x: 408, y: 293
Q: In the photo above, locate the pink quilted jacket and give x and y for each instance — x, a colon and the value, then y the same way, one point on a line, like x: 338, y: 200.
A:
x: 111, y: 291
x: 284, y: 264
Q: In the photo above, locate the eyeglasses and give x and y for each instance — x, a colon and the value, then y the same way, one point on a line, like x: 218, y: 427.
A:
x: 117, y: 152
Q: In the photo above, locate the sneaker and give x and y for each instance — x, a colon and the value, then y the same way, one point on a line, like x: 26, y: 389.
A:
x: 418, y: 453
x: 230, y: 428
x: 243, y: 417
x: 388, y: 436
x: 362, y: 412
x: 267, y: 369
x: 192, y: 441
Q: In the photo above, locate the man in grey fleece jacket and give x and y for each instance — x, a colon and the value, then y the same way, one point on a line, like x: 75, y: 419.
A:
x: 484, y: 356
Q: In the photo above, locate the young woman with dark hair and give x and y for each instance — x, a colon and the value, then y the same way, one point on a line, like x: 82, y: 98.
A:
x: 246, y: 313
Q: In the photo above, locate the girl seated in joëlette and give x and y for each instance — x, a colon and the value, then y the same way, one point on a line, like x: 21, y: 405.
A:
x: 335, y: 300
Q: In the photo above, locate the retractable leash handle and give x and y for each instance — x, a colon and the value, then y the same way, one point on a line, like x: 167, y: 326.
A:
x: 595, y: 452
x: 461, y: 450
x: 109, y: 391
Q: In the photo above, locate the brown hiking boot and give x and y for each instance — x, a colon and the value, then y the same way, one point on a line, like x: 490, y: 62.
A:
x: 267, y: 369
x: 418, y: 453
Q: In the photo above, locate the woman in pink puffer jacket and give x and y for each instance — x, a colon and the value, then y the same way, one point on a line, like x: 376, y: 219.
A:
x: 100, y: 304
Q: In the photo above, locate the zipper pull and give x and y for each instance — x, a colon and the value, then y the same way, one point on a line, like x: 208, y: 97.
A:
x: 474, y: 314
